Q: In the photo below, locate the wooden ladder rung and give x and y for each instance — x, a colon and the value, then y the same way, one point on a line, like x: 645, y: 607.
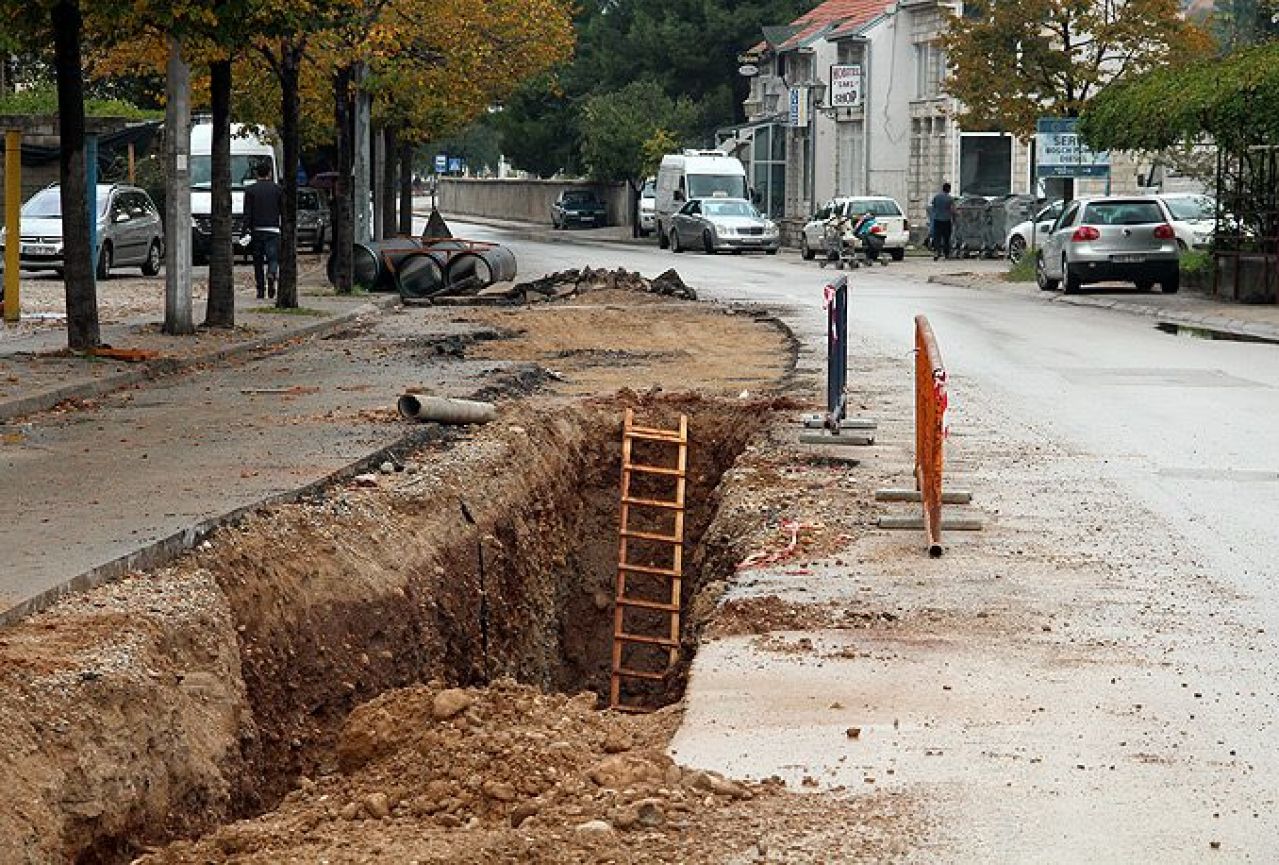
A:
x: 655, y: 435
x: 628, y: 673
x: 654, y: 470
x: 646, y: 569
x: 653, y: 503
x: 651, y: 536
x: 651, y: 641
x: 649, y: 605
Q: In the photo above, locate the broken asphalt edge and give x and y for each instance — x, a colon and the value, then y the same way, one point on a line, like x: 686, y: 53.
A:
x: 151, y: 370
x: 1121, y: 303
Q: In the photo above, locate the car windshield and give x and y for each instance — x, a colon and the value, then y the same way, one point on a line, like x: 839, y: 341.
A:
x: 243, y: 171
x: 1192, y: 207
x: 873, y: 206
x: 580, y: 197
x: 728, y: 208
x: 1122, y: 213
x: 716, y: 186
x: 649, y: 190
x: 47, y: 204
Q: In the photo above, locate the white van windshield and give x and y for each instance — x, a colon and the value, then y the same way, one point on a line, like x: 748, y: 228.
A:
x: 243, y: 170
x: 716, y: 186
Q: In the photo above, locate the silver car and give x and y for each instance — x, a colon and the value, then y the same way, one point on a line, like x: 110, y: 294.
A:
x: 129, y: 231
x: 723, y: 223
x: 1102, y: 239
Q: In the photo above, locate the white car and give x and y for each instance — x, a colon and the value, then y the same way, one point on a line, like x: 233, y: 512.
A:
x: 887, y: 212
x: 1021, y: 238
x: 1192, y: 216
x: 648, y: 208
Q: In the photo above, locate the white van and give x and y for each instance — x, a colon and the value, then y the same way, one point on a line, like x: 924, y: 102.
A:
x: 248, y: 151
x: 695, y: 174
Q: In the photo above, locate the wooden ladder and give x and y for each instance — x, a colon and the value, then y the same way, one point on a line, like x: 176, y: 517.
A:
x: 653, y: 541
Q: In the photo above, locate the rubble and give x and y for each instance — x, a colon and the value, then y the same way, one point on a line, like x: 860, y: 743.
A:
x: 567, y: 283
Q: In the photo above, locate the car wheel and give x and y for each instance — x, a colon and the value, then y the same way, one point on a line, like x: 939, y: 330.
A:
x: 1182, y: 249
x: 104, y: 261
x: 662, y: 240
x: 155, y: 256
x: 897, y: 254
x: 318, y: 246
x: 1016, y: 248
x: 805, y: 251
x: 675, y: 247
x: 770, y: 252
x: 1071, y: 283
x: 708, y: 243
x: 1046, y: 283
x: 1145, y: 284
x: 1172, y: 284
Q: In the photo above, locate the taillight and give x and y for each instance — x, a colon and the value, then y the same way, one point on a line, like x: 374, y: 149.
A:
x: 1085, y: 232
x: 1165, y: 232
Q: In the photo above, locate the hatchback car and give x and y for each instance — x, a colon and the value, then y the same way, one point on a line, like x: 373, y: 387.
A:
x: 1101, y: 239
x: 647, y: 216
x: 723, y: 223
x: 1193, y: 217
x: 315, y: 228
x: 1029, y: 234
x: 887, y: 212
x: 578, y: 207
x: 129, y: 231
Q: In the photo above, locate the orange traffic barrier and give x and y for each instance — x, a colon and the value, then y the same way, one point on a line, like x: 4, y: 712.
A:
x: 930, y: 429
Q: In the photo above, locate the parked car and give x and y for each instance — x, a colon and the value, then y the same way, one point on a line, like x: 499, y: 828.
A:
x: 1022, y: 235
x: 315, y: 227
x: 129, y: 231
x: 723, y: 223
x: 578, y: 207
x: 647, y: 216
x: 1193, y: 217
x: 1116, y: 238
x: 887, y: 212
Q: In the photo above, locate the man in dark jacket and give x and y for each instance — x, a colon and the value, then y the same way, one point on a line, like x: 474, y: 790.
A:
x: 262, y: 204
x: 943, y: 213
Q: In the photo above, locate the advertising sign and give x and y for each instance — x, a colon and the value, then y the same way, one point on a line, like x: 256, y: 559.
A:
x: 1060, y: 153
x: 798, y: 115
x: 846, y: 86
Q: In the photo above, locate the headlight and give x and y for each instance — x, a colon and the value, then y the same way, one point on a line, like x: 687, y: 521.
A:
x: 725, y: 231
x: 770, y: 227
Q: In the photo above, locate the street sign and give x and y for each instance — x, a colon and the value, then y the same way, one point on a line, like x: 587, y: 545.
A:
x: 798, y: 114
x: 441, y: 163
x: 455, y: 165
x: 846, y: 86
x: 1060, y: 153
x: 748, y: 70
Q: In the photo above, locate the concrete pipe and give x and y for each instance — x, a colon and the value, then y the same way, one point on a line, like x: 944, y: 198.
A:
x: 369, y: 262
x: 480, y: 268
x: 419, y: 275
x: 426, y: 409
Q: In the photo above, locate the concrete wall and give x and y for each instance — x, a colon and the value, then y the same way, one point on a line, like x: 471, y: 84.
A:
x: 524, y: 200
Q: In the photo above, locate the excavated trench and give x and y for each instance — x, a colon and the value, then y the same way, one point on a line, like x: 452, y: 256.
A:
x: 496, y: 558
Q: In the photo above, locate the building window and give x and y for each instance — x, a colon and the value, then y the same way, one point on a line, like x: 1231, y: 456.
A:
x: 985, y: 163
x: 769, y: 167
x: 850, y: 52
x: 930, y: 69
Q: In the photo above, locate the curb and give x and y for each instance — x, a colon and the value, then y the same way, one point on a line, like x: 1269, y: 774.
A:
x: 1207, y: 321
x: 170, y: 366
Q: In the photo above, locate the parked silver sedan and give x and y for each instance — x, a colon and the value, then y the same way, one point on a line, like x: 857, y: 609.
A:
x: 1116, y: 238
x: 723, y: 223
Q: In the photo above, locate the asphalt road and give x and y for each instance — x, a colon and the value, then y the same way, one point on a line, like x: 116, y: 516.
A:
x: 1088, y: 680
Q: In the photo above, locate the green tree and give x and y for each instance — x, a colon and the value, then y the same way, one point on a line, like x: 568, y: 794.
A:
x: 1012, y: 63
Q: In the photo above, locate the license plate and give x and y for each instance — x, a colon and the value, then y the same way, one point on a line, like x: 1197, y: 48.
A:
x: 37, y: 249
x: 1127, y: 259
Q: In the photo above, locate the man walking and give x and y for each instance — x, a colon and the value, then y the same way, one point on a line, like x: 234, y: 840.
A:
x: 943, y: 211
x: 263, y: 202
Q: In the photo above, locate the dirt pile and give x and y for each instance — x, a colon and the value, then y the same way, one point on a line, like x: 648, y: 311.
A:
x: 510, y: 774
x: 567, y: 283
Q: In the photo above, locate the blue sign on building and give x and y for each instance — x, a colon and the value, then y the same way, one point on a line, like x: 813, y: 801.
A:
x: 1060, y: 153
x: 441, y: 163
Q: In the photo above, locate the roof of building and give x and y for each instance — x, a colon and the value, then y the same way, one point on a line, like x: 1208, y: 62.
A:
x: 832, y: 18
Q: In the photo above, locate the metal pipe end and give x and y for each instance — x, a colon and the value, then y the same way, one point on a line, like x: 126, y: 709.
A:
x: 409, y: 406
x: 934, y: 551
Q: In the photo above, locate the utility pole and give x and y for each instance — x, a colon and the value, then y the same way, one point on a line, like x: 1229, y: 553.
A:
x: 363, y: 110
x: 177, y: 205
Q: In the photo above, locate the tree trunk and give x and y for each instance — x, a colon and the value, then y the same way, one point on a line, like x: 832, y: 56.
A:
x: 220, y: 311
x: 290, y: 113
x: 389, y: 164
x: 406, y: 188
x: 343, y: 226
x: 377, y: 160
x: 363, y: 175
x: 177, y: 205
x: 83, y: 331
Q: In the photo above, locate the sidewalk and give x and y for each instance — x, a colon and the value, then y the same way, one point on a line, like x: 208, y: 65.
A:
x: 37, y: 373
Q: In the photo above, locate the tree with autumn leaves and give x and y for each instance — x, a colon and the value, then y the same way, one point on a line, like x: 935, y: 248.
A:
x: 1012, y: 63
x: 434, y: 65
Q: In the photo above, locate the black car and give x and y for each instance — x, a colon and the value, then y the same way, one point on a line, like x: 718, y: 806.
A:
x: 578, y: 207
